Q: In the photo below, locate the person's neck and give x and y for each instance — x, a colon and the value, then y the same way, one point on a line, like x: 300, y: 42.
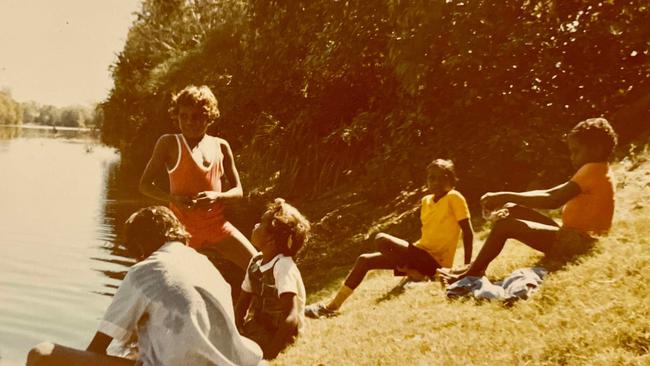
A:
x: 268, y: 255
x: 193, y: 142
x: 438, y: 195
x: 594, y: 161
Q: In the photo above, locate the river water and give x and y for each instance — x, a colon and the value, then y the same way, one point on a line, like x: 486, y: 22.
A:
x: 62, y: 204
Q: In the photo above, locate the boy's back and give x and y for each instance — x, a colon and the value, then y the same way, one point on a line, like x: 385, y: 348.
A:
x: 182, y: 309
x: 592, y: 210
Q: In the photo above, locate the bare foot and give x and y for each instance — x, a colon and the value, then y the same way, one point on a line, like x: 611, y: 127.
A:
x: 450, y: 275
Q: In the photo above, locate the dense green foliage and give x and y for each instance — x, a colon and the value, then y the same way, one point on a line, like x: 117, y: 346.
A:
x: 320, y: 93
x: 70, y: 116
x: 11, y: 112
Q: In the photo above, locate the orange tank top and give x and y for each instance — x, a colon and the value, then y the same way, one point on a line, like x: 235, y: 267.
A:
x: 188, y: 178
x: 592, y: 210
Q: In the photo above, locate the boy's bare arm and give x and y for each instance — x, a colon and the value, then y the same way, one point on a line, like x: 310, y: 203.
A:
x: 288, y: 326
x: 241, y: 308
x: 544, y: 199
x: 99, y: 343
x: 155, y: 165
x: 468, y: 239
x: 230, y: 171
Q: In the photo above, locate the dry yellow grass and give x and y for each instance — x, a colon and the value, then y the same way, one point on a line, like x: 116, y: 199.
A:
x: 595, y: 311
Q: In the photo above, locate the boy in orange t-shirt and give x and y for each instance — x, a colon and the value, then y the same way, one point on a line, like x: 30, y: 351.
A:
x: 588, y: 199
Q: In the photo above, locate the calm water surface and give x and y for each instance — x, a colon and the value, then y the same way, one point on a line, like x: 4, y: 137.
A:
x: 62, y: 202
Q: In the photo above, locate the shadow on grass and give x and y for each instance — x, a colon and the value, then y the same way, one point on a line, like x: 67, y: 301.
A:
x: 393, y: 293
x: 571, y: 248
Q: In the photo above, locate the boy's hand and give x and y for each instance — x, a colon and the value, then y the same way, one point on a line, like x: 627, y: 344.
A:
x: 205, y: 199
x: 492, y: 200
x: 182, y: 201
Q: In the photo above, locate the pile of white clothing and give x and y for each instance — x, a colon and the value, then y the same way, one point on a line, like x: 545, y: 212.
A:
x: 520, y: 284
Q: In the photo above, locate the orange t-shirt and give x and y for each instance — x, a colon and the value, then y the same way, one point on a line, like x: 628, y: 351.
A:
x: 592, y: 210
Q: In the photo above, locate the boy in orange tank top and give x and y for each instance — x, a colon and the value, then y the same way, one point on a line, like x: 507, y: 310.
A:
x: 588, y: 199
x: 196, y: 164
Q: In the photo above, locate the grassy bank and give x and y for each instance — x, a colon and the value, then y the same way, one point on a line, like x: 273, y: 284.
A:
x: 595, y: 310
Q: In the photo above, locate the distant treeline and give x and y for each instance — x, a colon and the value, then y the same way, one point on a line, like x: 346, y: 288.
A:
x: 15, y: 113
x: 315, y: 94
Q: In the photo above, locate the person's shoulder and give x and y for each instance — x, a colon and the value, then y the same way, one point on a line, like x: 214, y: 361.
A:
x: 592, y: 169
x: 427, y: 199
x: 167, y: 137
x: 166, y: 140
x: 285, y: 264
x: 286, y: 261
x: 454, y: 194
x: 218, y: 140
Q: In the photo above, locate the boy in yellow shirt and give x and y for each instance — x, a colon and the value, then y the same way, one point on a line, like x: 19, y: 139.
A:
x: 444, y: 214
x: 588, y: 199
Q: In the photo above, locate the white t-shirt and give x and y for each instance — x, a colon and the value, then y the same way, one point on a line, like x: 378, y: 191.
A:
x: 180, y: 307
x: 287, y: 279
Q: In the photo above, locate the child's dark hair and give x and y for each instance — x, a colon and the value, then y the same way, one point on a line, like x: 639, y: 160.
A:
x: 288, y: 226
x: 156, y: 224
x: 196, y: 96
x: 596, y: 132
x: 445, y: 165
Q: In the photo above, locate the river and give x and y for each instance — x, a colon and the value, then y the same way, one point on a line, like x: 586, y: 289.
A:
x: 62, y: 204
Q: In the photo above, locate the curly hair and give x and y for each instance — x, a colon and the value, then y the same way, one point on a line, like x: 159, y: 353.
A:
x: 157, y: 224
x: 445, y: 165
x: 595, y: 132
x: 287, y: 226
x: 196, y: 96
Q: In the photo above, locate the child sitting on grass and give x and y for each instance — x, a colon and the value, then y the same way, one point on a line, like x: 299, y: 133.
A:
x: 273, y: 294
x: 444, y: 214
x: 588, y: 199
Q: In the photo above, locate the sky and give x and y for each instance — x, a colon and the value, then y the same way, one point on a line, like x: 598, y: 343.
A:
x: 59, y: 51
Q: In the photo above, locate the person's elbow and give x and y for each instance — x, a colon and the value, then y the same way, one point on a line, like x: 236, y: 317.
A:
x: 237, y: 192
x: 554, y: 201
x: 40, y: 354
x: 291, y: 324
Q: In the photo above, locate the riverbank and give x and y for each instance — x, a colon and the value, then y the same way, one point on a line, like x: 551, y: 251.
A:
x: 595, y: 311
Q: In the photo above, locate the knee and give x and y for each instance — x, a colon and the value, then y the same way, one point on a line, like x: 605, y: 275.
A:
x: 380, y: 238
x: 362, y: 261
x: 504, y: 227
x: 39, y: 354
x: 381, y: 241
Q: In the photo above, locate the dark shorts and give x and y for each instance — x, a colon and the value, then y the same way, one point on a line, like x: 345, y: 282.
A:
x: 569, y: 243
x: 420, y: 260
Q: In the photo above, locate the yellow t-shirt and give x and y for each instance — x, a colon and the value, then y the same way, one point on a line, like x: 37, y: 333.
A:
x: 440, y: 229
x: 592, y: 210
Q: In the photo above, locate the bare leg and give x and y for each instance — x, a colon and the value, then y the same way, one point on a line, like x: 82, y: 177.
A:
x: 365, y: 263
x: 528, y: 214
x: 49, y: 354
x: 235, y: 248
x: 387, y: 258
x: 536, y: 233
x: 394, y: 248
x: 398, y: 251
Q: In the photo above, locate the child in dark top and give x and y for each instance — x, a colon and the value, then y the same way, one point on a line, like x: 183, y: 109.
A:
x: 273, y: 294
x: 588, y: 199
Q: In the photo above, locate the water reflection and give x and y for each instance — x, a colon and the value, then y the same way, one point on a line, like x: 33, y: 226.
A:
x: 63, y: 201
